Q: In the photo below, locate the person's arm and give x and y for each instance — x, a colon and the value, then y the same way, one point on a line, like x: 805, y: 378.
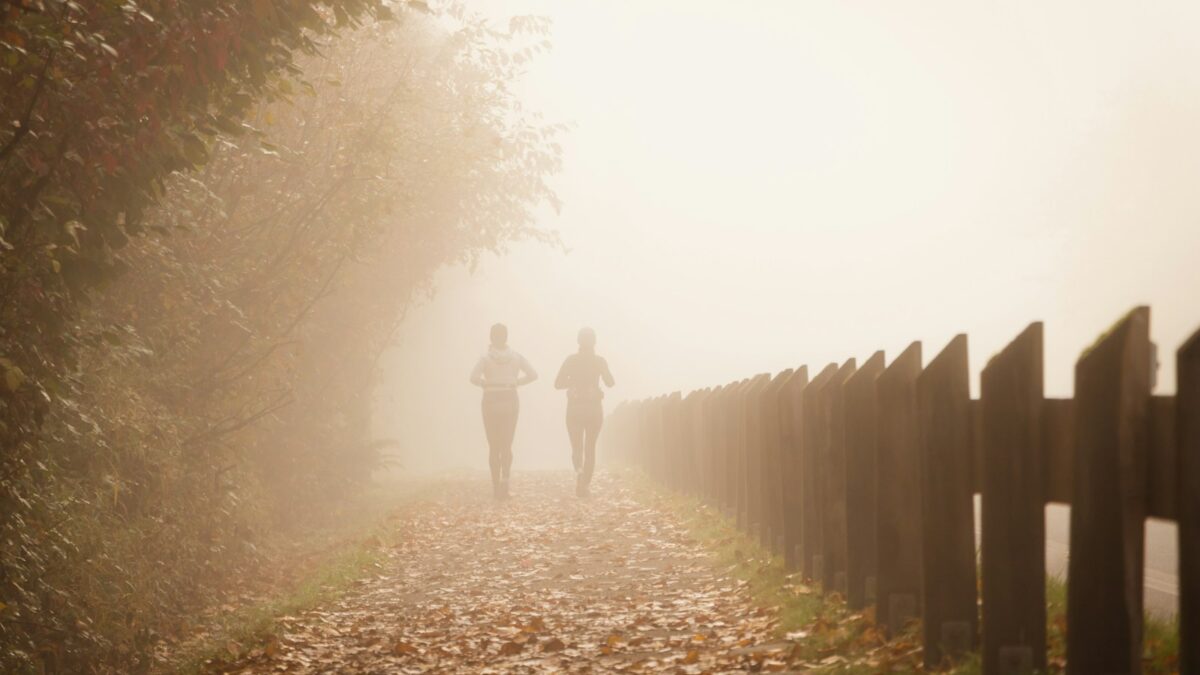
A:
x: 530, y: 373
x: 563, y: 381
x: 606, y: 373
x: 477, y: 373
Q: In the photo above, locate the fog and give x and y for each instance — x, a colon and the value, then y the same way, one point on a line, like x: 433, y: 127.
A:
x: 749, y: 187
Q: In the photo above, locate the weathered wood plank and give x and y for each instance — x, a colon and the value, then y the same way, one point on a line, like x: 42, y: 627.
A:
x: 756, y: 450
x: 646, y: 450
x: 810, y: 494
x: 692, y: 466
x: 747, y: 450
x: 975, y: 413
x: 751, y: 464
x: 898, y: 493
x: 676, y: 451
x: 791, y: 432
x: 1187, y: 421
x: 733, y: 435
x: 771, y: 467
x: 860, y: 400
x: 833, y: 481
x: 1058, y: 449
x: 708, y: 427
x: 950, y: 611
x: 1013, y: 547
x: 1108, y: 506
x: 680, y: 438
x: 720, y: 440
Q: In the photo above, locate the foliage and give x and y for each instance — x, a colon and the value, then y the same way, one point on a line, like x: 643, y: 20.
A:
x: 213, y: 215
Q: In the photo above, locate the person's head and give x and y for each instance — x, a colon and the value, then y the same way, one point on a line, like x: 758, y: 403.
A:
x: 587, y: 339
x: 499, y: 335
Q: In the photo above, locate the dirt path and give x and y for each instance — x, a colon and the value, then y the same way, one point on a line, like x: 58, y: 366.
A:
x: 543, y: 582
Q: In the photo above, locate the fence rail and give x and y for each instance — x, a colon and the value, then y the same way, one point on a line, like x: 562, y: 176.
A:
x: 863, y: 478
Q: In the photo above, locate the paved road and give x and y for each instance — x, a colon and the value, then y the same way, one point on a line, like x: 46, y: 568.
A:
x: 1162, y: 581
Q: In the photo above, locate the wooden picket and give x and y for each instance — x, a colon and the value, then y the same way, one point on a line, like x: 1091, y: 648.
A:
x: 770, y: 452
x: 733, y: 433
x: 791, y: 412
x: 863, y: 480
x: 861, y: 404
x: 1187, y: 420
x: 1108, y: 504
x: 1013, y: 544
x: 832, y: 468
x: 898, y: 494
x: 948, y: 601
x: 815, y: 432
x: 755, y: 450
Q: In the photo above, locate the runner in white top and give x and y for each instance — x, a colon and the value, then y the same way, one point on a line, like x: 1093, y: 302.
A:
x: 499, y: 372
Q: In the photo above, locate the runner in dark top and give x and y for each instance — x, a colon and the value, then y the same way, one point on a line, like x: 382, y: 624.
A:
x: 580, y: 375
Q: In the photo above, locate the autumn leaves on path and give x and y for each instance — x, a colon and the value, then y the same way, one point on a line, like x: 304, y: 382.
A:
x: 542, y: 582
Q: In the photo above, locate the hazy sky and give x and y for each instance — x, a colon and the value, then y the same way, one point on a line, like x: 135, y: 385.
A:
x: 752, y: 186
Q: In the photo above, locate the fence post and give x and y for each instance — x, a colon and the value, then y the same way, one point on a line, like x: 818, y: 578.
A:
x: 700, y: 424
x: 691, y: 442
x: 1187, y: 420
x: 752, y: 461
x: 791, y: 436
x: 950, y: 612
x: 661, y: 445
x: 771, y: 435
x: 898, y: 493
x: 732, y: 434
x: 750, y: 454
x: 645, y: 444
x: 666, y: 419
x: 737, y: 436
x: 719, y: 408
x: 859, y: 395
x: 810, y: 497
x: 833, y: 482
x: 708, y: 429
x: 1013, y: 545
x: 1108, y: 502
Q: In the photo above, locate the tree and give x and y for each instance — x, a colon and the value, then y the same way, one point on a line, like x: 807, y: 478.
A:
x: 190, y: 340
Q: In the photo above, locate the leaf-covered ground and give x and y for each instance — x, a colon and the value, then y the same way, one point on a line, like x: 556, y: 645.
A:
x: 541, y: 582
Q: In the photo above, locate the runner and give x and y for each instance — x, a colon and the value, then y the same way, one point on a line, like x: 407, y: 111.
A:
x: 499, y: 372
x: 580, y: 375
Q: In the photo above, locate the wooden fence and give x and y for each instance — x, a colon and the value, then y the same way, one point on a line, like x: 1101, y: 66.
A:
x: 863, y: 478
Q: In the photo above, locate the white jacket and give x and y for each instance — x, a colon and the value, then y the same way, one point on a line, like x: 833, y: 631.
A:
x: 501, y: 368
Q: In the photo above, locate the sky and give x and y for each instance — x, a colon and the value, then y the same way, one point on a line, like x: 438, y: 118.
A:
x: 753, y: 186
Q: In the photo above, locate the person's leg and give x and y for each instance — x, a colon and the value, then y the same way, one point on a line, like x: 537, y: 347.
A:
x: 575, y: 434
x: 492, y: 423
x: 512, y: 409
x: 595, y: 421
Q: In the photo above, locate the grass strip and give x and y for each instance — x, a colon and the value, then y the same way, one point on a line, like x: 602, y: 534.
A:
x: 256, y: 626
